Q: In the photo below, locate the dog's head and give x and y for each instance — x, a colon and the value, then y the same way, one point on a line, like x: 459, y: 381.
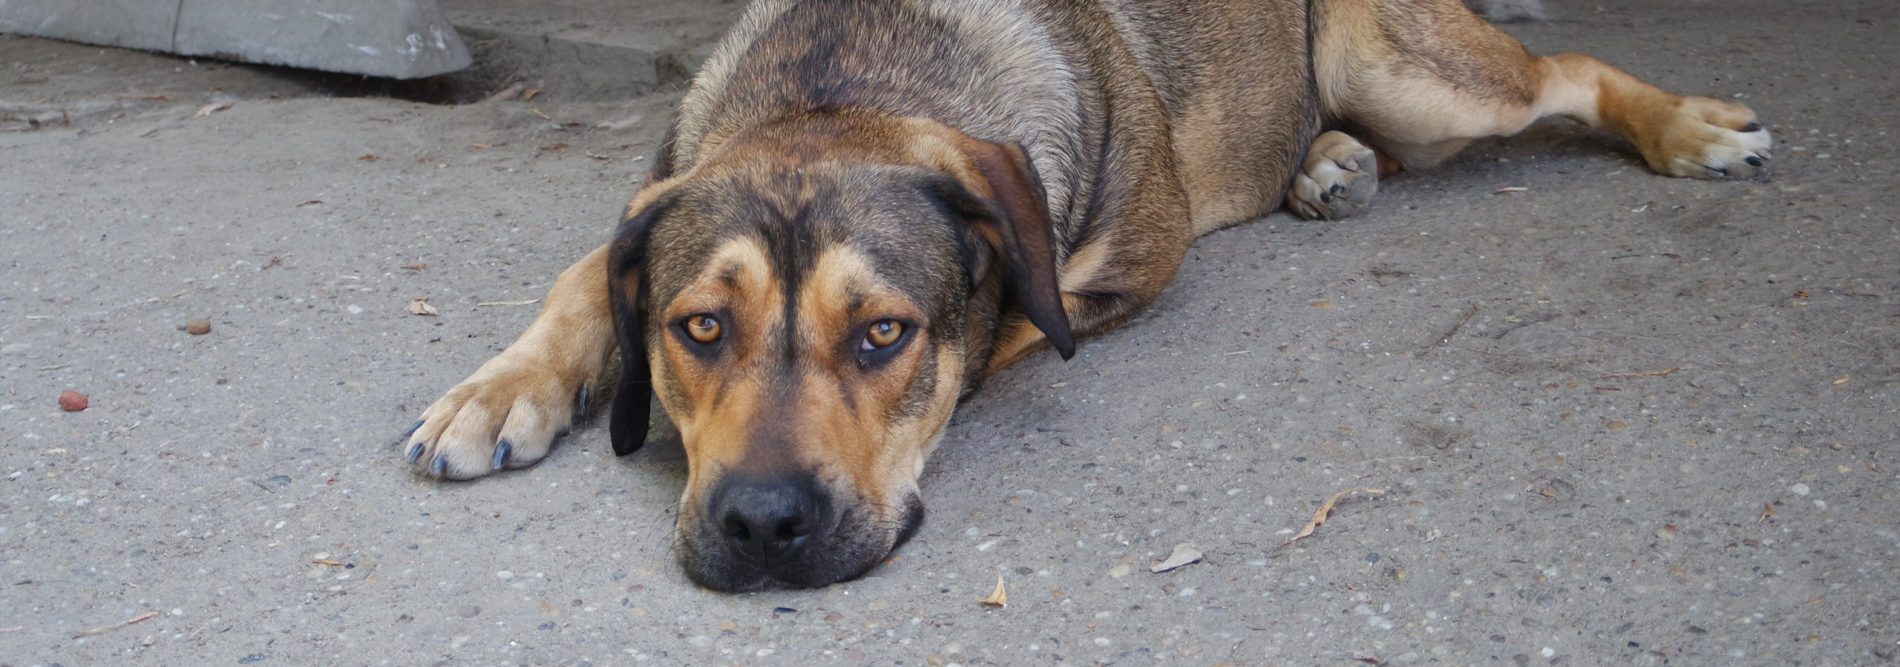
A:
x: 808, y: 302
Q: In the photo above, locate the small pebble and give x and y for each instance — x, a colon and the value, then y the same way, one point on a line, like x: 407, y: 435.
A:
x: 198, y: 326
x: 72, y: 401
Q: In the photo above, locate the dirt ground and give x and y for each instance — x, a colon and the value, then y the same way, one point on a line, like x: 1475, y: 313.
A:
x: 1617, y: 418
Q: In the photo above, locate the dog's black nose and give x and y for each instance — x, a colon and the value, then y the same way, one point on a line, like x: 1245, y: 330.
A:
x: 768, y: 521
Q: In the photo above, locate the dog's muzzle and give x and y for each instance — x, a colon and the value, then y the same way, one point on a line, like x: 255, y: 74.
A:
x: 789, y: 530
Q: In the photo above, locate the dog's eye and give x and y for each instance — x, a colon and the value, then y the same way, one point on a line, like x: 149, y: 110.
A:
x: 882, y: 334
x: 703, y: 329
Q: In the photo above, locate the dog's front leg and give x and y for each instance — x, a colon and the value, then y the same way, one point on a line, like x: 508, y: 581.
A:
x: 509, y: 412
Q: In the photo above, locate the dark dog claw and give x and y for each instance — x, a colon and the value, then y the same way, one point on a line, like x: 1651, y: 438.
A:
x: 415, y: 452
x: 585, y: 400
x: 502, y: 450
x: 1336, y: 188
x: 1326, y: 196
x: 440, y: 463
x: 1754, y: 160
x: 412, y: 428
x: 1752, y: 127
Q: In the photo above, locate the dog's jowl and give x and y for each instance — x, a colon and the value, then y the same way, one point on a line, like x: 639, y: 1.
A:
x: 868, y: 206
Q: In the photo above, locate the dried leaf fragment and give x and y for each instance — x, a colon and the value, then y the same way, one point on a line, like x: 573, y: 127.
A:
x: 1367, y: 657
x: 326, y: 561
x: 1767, y: 510
x: 1843, y: 379
x: 211, y: 108
x: 421, y: 307
x: 1510, y: 188
x: 997, y: 598
x: 1319, y: 515
x: 369, y: 157
x: 1184, y: 554
x: 558, y: 145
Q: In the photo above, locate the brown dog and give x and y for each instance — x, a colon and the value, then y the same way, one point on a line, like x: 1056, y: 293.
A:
x: 868, y: 206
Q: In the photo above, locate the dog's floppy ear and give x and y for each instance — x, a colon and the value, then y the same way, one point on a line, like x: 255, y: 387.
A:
x: 627, y: 292
x: 1017, y: 224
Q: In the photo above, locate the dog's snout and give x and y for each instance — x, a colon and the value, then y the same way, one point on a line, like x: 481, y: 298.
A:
x: 769, y: 521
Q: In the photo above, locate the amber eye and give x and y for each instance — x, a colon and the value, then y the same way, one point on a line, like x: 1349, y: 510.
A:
x: 703, y: 328
x: 882, y: 334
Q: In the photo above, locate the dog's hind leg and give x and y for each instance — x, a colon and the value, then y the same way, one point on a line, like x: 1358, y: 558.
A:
x: 1417, y: 80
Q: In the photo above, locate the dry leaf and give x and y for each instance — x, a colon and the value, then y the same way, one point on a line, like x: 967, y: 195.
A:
x: 421, y: 307
x: 212, y: 108
x: 1367, y: 657
x: 313, y: 202
x: 1843, y: 379
x: 418, y: 266
x: 558, y: 145
x: 1319, y: 516
x: 537, y: 112
x: 326, y: 561
x: 1767, y: 510
x: 1513, y: 188
x: 481, y: 145
x: 368, y: 157
x: 1184, y: 554
x: 997, y: 598
x: 530, y: 93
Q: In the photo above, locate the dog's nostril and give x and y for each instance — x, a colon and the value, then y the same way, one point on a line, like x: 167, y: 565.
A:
x: 736, y: 528
x: 791, y: 529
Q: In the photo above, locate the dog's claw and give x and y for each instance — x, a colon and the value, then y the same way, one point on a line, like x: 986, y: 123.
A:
x: 412, y: 428
x: 1752, y: 127
x: 585, y: 399
x: 415, y: 452
x: 438, y: 465
x: 502, y: 449
x: 1753, y: 160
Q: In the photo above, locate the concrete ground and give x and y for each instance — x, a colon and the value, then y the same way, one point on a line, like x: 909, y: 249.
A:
x: 1618, y: 418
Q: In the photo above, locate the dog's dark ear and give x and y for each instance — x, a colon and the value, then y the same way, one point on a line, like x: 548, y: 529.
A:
x: 627, y: 292
x: 1019, y: 227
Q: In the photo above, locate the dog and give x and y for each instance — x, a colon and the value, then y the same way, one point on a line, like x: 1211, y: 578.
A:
x: 865, y: 207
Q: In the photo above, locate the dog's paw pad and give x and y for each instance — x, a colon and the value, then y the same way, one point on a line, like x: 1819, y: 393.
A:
x: 1337, y: 180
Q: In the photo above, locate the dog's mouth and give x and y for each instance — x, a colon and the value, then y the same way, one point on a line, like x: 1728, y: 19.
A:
x: 736, y: 550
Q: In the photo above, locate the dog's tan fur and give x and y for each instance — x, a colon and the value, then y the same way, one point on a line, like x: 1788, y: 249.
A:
x: 1097, y: 141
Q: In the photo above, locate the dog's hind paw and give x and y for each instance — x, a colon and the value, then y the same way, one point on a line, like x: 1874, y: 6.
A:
x: 506, y: 415
x: 1703, y: 137
x: 1338, y: 179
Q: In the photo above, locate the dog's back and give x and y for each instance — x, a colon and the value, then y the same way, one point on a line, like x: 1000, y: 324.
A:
x: 1054, y: 76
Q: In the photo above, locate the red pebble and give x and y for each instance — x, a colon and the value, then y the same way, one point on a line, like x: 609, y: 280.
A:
x: 72, y: 401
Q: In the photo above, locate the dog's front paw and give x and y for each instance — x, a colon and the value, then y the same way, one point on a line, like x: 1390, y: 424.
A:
x: 506, y: 415
x: 1339, y: 178
x: 1708, y: 138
